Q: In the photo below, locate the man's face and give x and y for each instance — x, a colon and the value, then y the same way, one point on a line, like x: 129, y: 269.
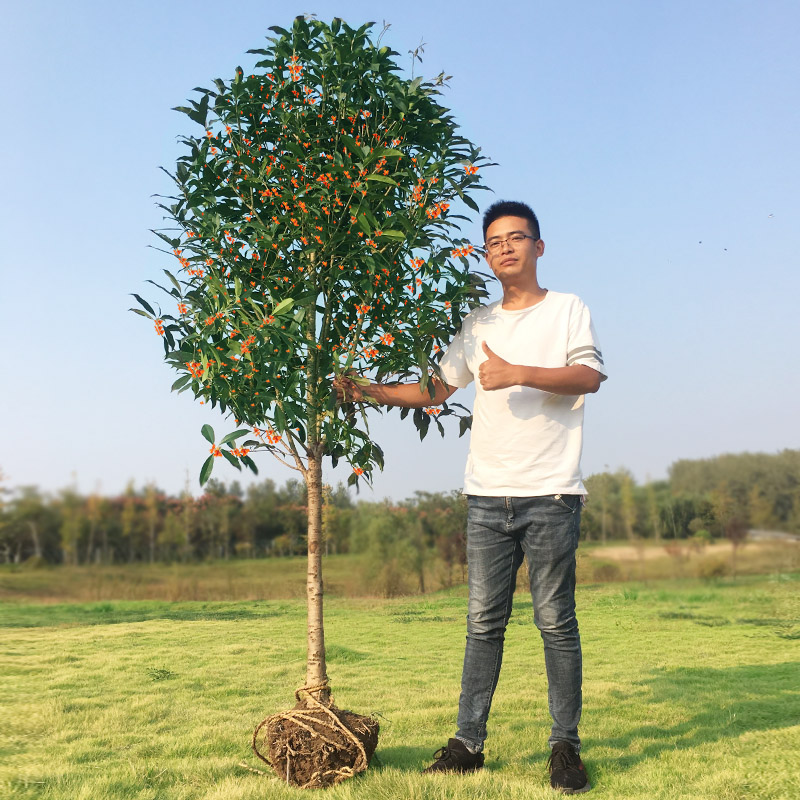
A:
x: 512, y: 261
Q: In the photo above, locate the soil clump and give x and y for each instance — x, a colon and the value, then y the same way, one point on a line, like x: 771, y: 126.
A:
x: 316, y: 744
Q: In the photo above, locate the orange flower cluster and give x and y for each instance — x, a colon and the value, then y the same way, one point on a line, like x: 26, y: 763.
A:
x: 362, y: 309
x: 436, y: 210
x: 370, y: 352
x: 195, y: 369
x: 268, y: 434
x: 387, y: 338
x: 295, y: 69
x: 433, y: 412
x: 247, y: 344
x: 358, y: 470
x: 213, y: 317
x: 160, y: 327
x: 239, y: 452
x: 416, y: 195
x: 215, y: 451
x: 470, y: 169
x: 182, y: 308
x: 463, y: 251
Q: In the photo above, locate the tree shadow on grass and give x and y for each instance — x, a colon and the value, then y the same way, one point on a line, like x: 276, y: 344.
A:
x: 108, y: 613
x: 710, y: 705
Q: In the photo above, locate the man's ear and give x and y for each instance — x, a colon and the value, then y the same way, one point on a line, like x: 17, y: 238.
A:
x: 540, y: 248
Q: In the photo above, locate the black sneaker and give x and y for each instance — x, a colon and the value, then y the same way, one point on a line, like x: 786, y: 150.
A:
x: 567, y: 773
x: 455, y: 757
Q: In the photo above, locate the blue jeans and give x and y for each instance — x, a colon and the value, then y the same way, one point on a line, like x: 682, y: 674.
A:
x: 500, y: 532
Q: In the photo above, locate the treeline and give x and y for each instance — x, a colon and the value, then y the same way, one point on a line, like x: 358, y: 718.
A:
x: 723, y: 496
x: 719, y: 497
x: 148, y: 526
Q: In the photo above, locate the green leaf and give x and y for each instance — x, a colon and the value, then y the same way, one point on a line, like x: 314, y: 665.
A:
x: 201, y: 112
x: 393, y: 234
x: 233, y: 436
x: 141, y: 313
x: 181, y: 382
x: 381, y: 179
x: 385, y: 152
x: 173, y: 279
x: 144, y: 304
x: 208, y: 433
x: 351, y: 145
x: 284, y: 305
x: 231, y: 459
x: 250, y: 464
x: 205, y: 470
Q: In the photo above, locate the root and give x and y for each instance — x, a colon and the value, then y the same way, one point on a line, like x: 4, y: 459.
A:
x: 315, y: 743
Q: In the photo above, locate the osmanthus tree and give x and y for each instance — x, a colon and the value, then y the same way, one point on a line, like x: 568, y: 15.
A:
x: 315, y: 230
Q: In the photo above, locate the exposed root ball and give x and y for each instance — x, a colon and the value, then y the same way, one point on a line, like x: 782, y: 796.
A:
x: 314, y: 744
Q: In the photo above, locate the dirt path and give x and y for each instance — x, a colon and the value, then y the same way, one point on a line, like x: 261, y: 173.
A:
x: 650, y: 552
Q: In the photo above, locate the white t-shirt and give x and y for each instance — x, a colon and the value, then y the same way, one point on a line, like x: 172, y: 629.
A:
x: 525, y: 442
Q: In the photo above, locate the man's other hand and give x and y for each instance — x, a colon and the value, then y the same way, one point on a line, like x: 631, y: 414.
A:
x: 496, y: 373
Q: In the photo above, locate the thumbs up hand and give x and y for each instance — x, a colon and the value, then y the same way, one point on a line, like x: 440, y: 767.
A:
x: 496, y: 373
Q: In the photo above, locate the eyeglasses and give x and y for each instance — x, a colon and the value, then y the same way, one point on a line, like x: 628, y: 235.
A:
x: 513, y: 241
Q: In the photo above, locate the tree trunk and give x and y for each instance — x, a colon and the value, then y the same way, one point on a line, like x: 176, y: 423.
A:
x: 90, y: 543
x: 316, y: 674
x: 37, y: 547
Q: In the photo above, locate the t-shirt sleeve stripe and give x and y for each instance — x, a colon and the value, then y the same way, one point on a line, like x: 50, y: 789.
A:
x: 577, y: 350
x: 584, y: 354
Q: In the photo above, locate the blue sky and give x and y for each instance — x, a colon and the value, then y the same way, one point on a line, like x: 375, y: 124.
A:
x: 657, y: 142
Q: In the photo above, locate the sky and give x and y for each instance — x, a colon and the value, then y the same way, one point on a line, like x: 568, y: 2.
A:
x: 657, y: 142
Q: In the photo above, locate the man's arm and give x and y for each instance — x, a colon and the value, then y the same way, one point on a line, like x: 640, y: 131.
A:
x: 497, y: 373
x: 405, y: 395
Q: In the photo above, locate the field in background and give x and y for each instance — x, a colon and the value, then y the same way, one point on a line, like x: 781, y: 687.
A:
x: 360, y: 576
x: 691, y: 691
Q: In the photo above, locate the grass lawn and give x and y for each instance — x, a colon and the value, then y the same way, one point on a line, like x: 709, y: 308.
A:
x: 691, y: 690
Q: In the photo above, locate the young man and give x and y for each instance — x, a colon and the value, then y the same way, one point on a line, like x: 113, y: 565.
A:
x: 534, y: 355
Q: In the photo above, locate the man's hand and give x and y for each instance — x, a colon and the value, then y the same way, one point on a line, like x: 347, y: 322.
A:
x: 347, y: 389
x: 497, y: 373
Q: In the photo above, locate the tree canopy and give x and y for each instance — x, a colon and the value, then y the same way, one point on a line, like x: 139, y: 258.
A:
x: 316, y: 229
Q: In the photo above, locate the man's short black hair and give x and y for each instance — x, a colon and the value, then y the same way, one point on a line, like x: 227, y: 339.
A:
x: 510, y: 208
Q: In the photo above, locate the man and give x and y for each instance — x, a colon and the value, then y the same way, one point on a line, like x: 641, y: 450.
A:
x: 535, y: 355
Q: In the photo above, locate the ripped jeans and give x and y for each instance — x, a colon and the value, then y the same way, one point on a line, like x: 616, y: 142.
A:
x: 500, y: 532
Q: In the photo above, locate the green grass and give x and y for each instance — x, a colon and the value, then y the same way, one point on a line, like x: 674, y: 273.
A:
x: 691, y: 690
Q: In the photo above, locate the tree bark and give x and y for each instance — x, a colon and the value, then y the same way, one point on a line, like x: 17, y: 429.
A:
x: 316, y: 674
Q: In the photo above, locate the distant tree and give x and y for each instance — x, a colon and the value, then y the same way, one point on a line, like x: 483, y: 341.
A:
x: 653, y: 508
x: 28, y: 513
x: 129, y: 522
x: 729, y: 517
x: 759, y: 509
x: 72, y: 525
x: 381, y: 534
x: 153, y: 516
